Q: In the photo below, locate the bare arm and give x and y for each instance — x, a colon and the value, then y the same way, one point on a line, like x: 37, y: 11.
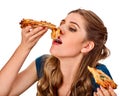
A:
x: 10, y: 71
x: 24, y: 80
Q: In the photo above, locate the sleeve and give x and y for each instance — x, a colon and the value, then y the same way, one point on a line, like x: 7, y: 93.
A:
x: 105, y: 70
x: 40, y: 64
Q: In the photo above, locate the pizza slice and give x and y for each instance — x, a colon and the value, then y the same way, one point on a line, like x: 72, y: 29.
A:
x: 101, y: 78
x: 34, y: 23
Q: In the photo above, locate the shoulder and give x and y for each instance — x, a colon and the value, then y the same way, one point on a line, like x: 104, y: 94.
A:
x: 39, y: 61
x: 41, y: 58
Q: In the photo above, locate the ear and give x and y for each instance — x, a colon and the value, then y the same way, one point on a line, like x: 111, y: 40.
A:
x: 87, y: 47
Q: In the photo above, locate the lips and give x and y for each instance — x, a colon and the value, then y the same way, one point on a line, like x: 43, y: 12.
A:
x: 57, y: 41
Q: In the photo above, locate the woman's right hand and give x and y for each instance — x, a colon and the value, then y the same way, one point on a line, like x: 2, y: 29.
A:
x: 31, y: 36
x: 16, y: 83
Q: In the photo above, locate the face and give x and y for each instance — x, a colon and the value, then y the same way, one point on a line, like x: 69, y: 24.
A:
x: 71, y: 40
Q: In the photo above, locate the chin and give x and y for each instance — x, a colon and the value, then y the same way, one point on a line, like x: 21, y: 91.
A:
x: 53, y: 53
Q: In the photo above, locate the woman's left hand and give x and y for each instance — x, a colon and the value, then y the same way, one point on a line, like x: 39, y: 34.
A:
x: 105, y: 92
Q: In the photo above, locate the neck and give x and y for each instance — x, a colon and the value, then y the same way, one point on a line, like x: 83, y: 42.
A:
x: 69, y: 67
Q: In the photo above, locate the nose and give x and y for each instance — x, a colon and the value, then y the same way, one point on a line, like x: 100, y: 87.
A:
x: 62, y: 30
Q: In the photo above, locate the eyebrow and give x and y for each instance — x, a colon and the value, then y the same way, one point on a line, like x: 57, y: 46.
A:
x: 75, y: 23
x: 63, y: 20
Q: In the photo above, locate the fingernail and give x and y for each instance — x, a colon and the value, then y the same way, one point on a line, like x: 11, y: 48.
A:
x: 110, y: 87
x: 98, y: 89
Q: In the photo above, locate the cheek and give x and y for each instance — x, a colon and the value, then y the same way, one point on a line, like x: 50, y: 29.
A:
x: 73, y: 49
x: 67, y: 49
x: 66, y: 52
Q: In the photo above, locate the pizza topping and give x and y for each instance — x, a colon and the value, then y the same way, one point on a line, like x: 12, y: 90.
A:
x: 101, y: 78
x: 55, y: 33
x: 34, y: 23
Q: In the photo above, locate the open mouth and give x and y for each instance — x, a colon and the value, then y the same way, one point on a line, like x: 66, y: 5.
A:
x: 58, y: 41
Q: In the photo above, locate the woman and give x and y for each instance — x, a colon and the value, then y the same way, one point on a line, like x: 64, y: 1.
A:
x: 64, y: 72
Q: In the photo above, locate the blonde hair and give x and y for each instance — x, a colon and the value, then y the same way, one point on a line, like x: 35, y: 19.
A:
x: 49, y: 84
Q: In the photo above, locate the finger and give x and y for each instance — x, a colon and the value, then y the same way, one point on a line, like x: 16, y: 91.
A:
x: 37, y: 30
x: 105, y: 91
x: 27, y: 29
x: 95, y: 94
x: 112, y: 91
x: 99, y: 92
x: 38, y: 35
x: 35, y: 40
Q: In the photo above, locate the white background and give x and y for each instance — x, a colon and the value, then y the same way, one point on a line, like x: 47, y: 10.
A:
x: 12, y: 11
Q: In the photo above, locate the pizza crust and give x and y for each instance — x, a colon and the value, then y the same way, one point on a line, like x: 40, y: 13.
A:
x: 34, y: 24
x: 101, y: 78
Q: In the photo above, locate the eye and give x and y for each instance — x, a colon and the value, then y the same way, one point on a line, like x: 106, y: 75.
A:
x: 72, y: 29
